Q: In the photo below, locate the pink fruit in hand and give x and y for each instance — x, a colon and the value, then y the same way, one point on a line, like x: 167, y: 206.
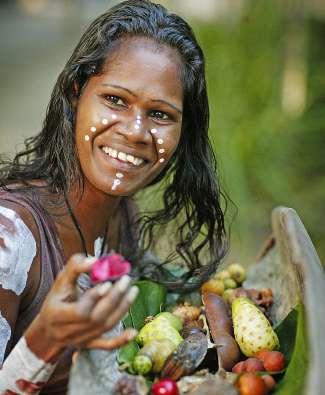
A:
x: 109, y: 267
x: 165, y: 387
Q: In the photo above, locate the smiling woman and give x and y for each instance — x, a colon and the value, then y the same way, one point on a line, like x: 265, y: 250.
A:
x: 129, y: 109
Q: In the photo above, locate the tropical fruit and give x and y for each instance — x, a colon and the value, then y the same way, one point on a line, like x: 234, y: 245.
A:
x: 253, y: 332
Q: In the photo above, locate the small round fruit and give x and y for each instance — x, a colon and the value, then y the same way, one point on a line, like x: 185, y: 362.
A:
x: 213, y: 286
x: 228, y: 295
x: 237, y: 272
x: 273, y: 361
x: 165, y: 387
x: 269, y: 381
x: 142, y: 364
x: 239, y: 367
x: 251, y: 384
x: 254, y: 365
x: 230, y: 283
x: 222, y: 275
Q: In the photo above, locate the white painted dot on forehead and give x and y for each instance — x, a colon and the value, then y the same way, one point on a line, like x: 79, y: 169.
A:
x: 138, y: 116
x: 136, y: 127
x: 153, y: 131
x: 139, y: 121
x: 161, y: 160
x: 119, y: 175
x: 161, y: 151
x: 114, y: 116
x: 104, y: 121
x: 160, y: 141
x: 87, y: 137
x: 93, y: 129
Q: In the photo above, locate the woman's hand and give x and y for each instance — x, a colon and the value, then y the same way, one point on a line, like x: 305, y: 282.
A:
x: 68, y: 320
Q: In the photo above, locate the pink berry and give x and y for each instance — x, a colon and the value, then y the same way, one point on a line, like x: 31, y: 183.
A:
x: 165, y: 387
x: 253, y: 365
x: 239, y: 367
x: 109, y: 267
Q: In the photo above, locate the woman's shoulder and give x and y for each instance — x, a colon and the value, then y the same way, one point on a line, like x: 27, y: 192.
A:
x: 19, y: 246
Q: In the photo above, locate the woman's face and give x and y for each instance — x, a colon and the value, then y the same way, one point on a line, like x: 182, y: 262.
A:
x: 129, y: 118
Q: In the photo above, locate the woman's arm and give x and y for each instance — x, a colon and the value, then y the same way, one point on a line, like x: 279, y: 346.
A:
x: 65, y: 320
x: 19, y: 275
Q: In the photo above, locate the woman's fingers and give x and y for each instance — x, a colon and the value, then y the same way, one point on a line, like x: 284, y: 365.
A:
x: 76, y: 265
x: 112, y: 300
x: 118, y: 314
x: 88, y: 300
x: 111, y: 344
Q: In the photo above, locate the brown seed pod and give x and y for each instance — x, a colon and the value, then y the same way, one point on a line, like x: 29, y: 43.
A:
x: 221, y: 330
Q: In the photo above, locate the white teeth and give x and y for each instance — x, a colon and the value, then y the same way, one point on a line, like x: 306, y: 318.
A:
x: 122, y: 156
x: 112, y: 152
x: 138, y: 161
x: 130, y: 158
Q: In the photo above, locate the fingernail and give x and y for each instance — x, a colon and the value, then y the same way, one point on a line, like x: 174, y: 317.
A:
x: 90, y: 259
x: 103, y: 288
x: 133, y: 293
x: 132, y: 333
x: 123, y: 283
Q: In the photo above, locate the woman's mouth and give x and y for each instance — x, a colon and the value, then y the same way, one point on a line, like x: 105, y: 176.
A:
x: 123, y: 157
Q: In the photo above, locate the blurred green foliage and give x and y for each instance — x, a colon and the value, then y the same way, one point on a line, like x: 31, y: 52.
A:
x: 267, y: 156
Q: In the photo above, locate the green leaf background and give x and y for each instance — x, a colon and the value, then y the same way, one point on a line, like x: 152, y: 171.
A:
x: 293, y: 340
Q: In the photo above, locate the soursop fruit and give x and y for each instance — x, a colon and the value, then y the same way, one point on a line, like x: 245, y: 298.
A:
x: 159, y: 328
x: 253, y: 332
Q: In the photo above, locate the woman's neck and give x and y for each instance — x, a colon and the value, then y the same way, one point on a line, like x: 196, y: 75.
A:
x: 94, y: 212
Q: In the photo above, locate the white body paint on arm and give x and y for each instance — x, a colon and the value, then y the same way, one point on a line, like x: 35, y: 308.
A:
x: 17, y: 251
x: 5, y: 333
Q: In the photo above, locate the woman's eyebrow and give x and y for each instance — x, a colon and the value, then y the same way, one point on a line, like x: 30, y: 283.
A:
x: 168, y: 104
x: 120, y: 87
x: 153, y: 100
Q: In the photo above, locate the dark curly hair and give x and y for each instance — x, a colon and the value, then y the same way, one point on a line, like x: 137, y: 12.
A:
x: 192, y: 192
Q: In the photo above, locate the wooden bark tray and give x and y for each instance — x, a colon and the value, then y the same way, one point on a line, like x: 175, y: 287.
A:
x: 290, y: 266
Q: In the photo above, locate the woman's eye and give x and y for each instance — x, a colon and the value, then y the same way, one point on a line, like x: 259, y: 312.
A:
x: 116, y: 100
x: 159, y: 115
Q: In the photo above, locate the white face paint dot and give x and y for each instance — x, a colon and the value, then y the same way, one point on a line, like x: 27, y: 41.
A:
x: 160, y: 141
x: 104, y: 121
x: 93, y: 129
x: 87, y: 137
x: 119, y: 175
x: 116, y: 182
x: 138, y: 121
x: 161, y: 151
x: 136, y: 127
x: 161, y: 160
x: 153, y: 131
x: 114, y: 116
x: 138, y: 116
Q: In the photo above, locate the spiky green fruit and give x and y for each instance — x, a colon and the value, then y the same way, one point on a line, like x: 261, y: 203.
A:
x: 174, y: 321
x: 142, y: 364
x: 152, y: 356
x: 253, y: 332
x: 158, y: 329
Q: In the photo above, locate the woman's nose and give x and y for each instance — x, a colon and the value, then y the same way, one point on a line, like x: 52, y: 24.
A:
x: 137, y: 129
